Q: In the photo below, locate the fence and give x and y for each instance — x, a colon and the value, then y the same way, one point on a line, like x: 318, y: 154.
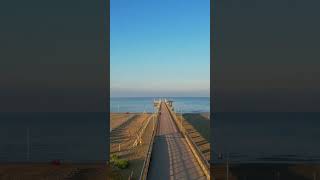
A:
x: 145, y: 167
x: 204, y: 164
x: 141, y: 131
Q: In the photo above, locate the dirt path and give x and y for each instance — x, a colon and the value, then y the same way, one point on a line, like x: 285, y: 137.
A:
x: 171, y: 156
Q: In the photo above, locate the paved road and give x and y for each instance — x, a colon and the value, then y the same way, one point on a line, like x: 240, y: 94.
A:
x: 171, y: 156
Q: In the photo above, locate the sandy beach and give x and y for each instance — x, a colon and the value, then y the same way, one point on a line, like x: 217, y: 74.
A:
x: 266, y: 172
x: 116, y: 119
x: 123, y: 137
x: 47, y: 171
x: 198, y: 128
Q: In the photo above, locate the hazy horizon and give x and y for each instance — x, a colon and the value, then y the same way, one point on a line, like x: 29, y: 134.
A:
x: 159, y: 48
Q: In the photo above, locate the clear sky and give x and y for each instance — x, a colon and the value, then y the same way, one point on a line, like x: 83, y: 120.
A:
x: 160, y: 48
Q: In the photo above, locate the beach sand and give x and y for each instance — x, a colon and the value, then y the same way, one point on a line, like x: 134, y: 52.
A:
x: 266, y: 172
x: 41, y: 171
x: 198, y: 128
x: 116, y: 119
x: 200, y: 122
x: 125, y: 135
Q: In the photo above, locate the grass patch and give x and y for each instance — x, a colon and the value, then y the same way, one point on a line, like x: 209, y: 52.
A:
x: 119, y: 163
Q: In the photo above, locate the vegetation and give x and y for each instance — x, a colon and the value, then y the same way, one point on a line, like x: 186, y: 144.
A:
x: 120, y: 163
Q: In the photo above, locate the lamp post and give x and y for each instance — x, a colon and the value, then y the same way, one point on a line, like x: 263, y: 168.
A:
x: 181, y: 120
x: 154, y: 113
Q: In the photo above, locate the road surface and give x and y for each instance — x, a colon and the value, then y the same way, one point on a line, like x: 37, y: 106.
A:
x: 171, y: 157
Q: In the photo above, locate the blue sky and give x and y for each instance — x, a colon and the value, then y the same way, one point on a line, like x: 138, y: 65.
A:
x: 160, y: 48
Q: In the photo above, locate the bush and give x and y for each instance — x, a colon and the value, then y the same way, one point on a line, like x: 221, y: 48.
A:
x: 120, y: 163
x: 114, y: 157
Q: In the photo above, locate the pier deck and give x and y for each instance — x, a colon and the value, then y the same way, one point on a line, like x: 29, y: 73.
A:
x: 171, y: 156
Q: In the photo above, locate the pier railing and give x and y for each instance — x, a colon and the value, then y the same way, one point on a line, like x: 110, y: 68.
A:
x: 147, y: 160
x: 204, y: 164
x: 141, y: 131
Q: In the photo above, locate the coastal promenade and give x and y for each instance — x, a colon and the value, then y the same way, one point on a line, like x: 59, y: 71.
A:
x: 171, y: 155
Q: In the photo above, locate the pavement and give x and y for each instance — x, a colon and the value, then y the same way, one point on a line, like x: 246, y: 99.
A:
x: 171, y: 157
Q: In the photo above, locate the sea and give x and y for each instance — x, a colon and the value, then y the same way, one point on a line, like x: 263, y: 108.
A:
x: 145, y: 104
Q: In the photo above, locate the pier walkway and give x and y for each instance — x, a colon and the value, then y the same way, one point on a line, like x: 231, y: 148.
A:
x: 172, y: 159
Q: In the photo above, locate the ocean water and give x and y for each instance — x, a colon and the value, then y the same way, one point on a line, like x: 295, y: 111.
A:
x: 141, y: 104
x: 266, y: 137
x: 47, y: 136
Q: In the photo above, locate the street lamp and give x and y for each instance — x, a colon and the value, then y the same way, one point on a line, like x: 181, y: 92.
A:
x: 181, y: 119
x: 154, y: 113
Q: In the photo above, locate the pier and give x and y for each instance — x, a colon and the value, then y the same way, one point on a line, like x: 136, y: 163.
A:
x: 172, y: 154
